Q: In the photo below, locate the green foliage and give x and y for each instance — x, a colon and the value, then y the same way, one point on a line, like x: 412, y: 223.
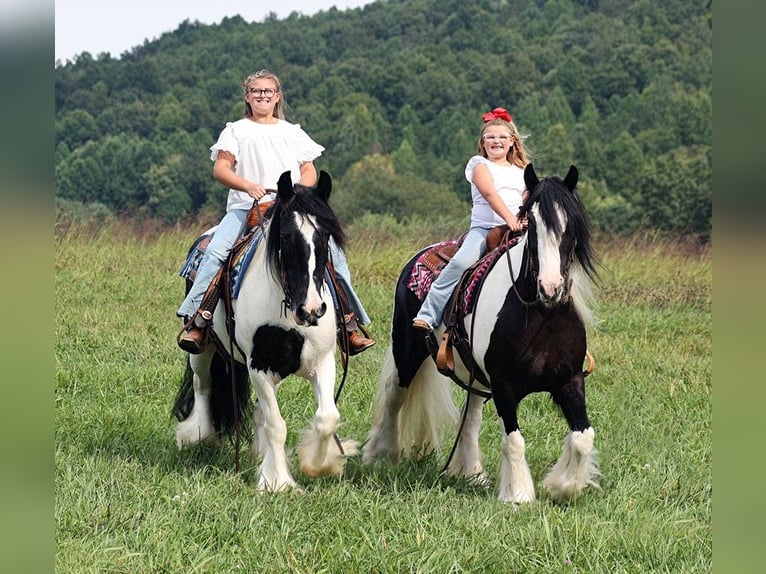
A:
x: 611, y: 87
x: 373, y: 186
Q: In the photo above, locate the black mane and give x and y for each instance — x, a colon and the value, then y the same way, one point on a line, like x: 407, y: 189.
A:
x: 552, y: 191
x: 306, y: 201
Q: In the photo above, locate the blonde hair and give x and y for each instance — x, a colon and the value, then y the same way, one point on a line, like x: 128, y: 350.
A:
x: 279, y: 108
x: 517, y: 155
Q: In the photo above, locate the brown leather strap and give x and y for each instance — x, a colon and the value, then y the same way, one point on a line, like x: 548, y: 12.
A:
x: 445, y: 360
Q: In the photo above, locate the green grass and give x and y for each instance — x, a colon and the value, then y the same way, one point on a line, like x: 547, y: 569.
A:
x: 128, y: 501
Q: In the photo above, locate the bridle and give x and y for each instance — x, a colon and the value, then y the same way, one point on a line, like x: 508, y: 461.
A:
x: 530, y: 268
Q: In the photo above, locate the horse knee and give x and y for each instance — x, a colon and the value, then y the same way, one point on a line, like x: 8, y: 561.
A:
x: 327, y: 423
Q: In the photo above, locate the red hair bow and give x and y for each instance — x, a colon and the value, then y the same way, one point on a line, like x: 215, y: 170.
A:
x: 501, y: 113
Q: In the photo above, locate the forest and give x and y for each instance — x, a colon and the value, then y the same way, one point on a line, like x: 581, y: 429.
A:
x: 395, y: 91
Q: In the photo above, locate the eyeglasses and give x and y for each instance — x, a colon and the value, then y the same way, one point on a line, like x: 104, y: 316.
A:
x: 496, y: 137
x: 268, y: 92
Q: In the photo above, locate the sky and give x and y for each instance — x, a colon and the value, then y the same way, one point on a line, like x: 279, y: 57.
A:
x: 116, y: 26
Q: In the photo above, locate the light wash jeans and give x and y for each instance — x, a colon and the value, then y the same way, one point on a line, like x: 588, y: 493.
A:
x: 226, y: 235
x: 229, y: 230
x: 343, y: 275
x: 473, y: 248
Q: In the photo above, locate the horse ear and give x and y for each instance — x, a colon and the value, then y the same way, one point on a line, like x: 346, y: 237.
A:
x: 571, y: 179
x: 530, y: 178
x: 324, y: 185
x: 285, y: 186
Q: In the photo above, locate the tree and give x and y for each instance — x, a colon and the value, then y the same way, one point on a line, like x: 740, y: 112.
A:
x: 622, y: 166
x: 77, y: 128
x: 677, y: 192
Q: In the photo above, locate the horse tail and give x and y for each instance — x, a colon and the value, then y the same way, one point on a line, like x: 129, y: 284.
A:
x: 428, y: 413
x: 225, y: 416
x: 231, y: 408
x: 182, y: 407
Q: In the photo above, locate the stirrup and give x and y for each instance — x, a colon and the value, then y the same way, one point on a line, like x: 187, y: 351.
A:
x: 193, y: 336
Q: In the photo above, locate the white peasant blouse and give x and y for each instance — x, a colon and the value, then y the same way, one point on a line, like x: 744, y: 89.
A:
x: 263, y: 152
x: 509, y: 184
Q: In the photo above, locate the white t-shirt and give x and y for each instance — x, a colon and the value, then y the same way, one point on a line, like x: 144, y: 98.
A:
x: 509, y: 184
x: 263, y: 153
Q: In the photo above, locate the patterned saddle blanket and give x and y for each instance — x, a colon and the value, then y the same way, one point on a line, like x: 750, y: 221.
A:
x: 433, y: 260
x: 242, y: 253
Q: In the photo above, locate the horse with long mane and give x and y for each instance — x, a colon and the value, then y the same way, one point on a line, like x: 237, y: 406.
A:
x: 526, y: 333
x: 281, y: 327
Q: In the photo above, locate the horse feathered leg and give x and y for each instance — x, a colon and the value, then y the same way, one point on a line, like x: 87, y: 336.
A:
x: 383, y: 439
x: 577, y: 467
x: 320, y: 453
x: 198, y: 426
x: 467, y: 459
x: 515, y: 479
x: 515, y: 483
x: 274, y: 472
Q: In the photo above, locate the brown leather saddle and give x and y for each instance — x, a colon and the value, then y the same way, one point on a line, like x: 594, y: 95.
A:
x: 461, y: 303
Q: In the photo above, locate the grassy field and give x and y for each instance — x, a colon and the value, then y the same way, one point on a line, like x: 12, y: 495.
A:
x: 128, y: 501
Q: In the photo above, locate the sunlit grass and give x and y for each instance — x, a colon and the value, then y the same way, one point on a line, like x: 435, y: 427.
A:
x: 128, y: 501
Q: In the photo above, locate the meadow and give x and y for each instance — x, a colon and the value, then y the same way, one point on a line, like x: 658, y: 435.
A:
x: 127, y: 501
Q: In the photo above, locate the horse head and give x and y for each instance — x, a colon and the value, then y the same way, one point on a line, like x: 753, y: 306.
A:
x: 302, y: 226
x: 558, y: 234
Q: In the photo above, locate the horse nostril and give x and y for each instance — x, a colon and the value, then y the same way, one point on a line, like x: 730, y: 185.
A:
x: 321, y: 311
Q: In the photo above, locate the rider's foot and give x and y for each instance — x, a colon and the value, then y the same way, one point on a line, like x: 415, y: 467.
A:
x: 192, y: 340
x: 193, y: 337
x: 422, y: 325
x: 358, y: 343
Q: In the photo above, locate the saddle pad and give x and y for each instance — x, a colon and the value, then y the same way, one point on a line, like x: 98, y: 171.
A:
x: 197, y: 252
x: 471, y: 283
x: 425, y: 271
x: 428, y: 266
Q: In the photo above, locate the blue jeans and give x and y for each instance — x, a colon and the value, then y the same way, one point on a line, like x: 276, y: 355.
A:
x: 226, y: 235
x: 343, y: 275
x: 229, y: 230
x: 473, y: 248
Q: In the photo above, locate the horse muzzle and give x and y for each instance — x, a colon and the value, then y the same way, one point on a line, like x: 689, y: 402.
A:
x: 551, y: 295
x: 310, y: 317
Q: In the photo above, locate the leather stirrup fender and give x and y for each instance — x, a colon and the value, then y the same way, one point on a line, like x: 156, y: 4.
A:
x: 445, y: 360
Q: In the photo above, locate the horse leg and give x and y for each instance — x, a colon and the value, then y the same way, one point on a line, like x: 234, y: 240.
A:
x: 199, y: 424
x: 515, y: 480
x: 467, y: 459
x: 274, y: 473
x: 577, y: 467
x: 258, y: 449
x: 383, y: 439
x: 321, y: 452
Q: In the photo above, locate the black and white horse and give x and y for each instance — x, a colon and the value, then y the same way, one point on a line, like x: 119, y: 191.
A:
x: 527, y: 335
x: 284, y: 325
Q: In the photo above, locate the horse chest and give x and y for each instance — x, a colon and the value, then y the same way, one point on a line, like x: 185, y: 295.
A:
x: 277, y: 350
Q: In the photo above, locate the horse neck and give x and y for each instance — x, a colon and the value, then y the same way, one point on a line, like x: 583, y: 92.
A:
x: 511, y: 271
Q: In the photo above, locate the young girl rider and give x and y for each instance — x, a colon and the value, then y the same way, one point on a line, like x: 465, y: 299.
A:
x: 249, y: 157
x: 496, y: 175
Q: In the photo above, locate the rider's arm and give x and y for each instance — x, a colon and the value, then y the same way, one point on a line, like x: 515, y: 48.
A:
x: 483, y: 181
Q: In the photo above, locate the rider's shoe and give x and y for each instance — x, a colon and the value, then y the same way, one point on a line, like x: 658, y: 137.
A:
x: 422, y: 325
x: 358, y: 343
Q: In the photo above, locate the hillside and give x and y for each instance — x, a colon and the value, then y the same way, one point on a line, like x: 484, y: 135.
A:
x: 395, y: 91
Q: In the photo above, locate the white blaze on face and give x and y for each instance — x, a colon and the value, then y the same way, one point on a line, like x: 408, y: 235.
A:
x: 549, y: 278
x: 313, y: 301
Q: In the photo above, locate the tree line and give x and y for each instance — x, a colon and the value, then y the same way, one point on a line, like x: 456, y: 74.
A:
x: 395, y: 91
